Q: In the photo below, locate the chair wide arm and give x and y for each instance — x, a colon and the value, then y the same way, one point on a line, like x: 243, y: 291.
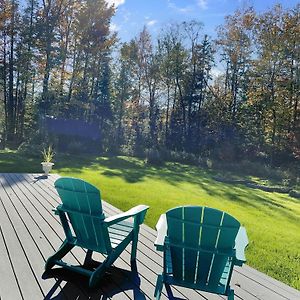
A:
x: 241, y: 242
x: 138, y: 213
x: 162, y: 228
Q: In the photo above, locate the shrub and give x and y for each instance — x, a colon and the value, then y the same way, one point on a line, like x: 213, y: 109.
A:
x: 164, y: 153
x: 180, y: 157
x: 294, y: 194
x: 33, y: 146
x: 133, y: 150
x: 153, y: 157
x: 76, y: 147
x: 126, y: 150
x: 139, y: 152
x: 258, y: 169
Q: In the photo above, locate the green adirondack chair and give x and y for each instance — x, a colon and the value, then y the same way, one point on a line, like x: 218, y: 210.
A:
x: 200, y: 246
x: 86, y: 226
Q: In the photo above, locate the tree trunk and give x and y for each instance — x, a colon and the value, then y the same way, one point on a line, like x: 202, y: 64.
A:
x: 45, y: 94
x: 74, y: 68
x: 63, y: 67
x: 167, y: 114
x: 11, y: 100
x: 181, y: 101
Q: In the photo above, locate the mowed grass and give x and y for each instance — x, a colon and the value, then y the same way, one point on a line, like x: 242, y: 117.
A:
x: 272, y: 220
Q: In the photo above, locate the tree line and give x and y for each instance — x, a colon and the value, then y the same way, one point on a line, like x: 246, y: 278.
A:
x: 60, y: 58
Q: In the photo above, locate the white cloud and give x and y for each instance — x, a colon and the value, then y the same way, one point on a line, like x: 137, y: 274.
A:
x: 115, y: 2
x: 202, y: 4
x: 114, y: 27
x: 151, y: 22
x: 183, y: 10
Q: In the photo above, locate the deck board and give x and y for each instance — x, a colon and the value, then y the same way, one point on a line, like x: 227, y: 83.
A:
x: 21, y: 264
x: 7, y: 271
x: 29, y: 233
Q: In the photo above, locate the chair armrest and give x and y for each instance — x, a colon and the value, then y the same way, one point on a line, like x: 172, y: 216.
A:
x: 162, y: 228
x: 241, y: 242
x: 138, y: 213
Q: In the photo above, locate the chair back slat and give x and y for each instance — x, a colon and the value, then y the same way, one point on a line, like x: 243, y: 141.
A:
x: 192, y: 233
x: 208, y: 241
x: 175, y: 233
x: 82, y: 202
x: 229, y: 227
x: 201, y: 242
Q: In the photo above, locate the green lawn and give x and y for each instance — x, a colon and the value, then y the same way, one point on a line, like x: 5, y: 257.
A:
x: 272, y: 220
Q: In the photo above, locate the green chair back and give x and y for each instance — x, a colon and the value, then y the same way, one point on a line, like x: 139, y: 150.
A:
x: 82, y: 203
x: 201, y: 242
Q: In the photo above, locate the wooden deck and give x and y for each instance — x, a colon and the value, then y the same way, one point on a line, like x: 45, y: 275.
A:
x: 30, y: 232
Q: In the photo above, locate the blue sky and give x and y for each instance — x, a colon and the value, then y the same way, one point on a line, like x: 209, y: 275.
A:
x: 132, y: 15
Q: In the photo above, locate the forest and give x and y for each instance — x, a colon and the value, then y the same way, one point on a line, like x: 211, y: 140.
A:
x: 158, y: 95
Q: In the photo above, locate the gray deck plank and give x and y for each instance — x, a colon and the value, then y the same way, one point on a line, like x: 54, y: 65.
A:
x: 33, y: 223
x: 25, y: 275
x: 26, y: 220
x: 260, y: 289
x: 9, y: 286
x: 270, y: 282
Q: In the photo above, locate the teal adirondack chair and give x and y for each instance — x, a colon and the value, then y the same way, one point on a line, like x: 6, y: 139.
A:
x: 200, y: 245
x: 86, y: 226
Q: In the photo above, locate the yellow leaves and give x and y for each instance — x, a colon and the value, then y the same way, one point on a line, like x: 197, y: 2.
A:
x: 248, y: 20
x: 253, y: 96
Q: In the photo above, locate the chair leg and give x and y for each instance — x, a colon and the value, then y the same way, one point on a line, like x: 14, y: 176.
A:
x: 169, y: 291
x: 88, y: 257
x: 60, y: 253
x: 230, y: 295
x: 97, y: 274
x: 100, y: 271
x: 133, y: 266
x: 110, y: 259
x: 134, y: 247
x: 158, y: 287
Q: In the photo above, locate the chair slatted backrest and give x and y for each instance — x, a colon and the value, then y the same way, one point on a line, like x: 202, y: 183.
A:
x: 82, y: 203
x: 201, y: 241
